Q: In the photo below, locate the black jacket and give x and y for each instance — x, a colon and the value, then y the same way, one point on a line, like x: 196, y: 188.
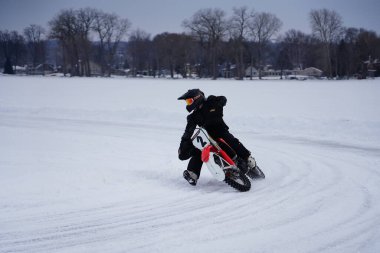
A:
x: 209, y: 116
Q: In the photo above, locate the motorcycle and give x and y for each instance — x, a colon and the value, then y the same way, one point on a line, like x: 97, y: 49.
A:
x: 221, y: 160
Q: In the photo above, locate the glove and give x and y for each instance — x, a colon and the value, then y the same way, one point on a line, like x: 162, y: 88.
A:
x: 186, y: 144
x: 186, y: 149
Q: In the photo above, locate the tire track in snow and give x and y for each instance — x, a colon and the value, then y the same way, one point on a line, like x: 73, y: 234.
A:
x: 326, y: 193
x: 314, y: 197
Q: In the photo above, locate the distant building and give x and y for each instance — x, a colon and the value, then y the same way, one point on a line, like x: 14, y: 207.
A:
x: 251, y: 71
x: 20, y: 69
x: 42, y: 69
x: 311, y: 72
x: 271, y: 73
x: 228, y: 70
x: 268, y: 72
x: 372, y: 66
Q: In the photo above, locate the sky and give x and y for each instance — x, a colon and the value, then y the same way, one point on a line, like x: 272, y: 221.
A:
x: 158, y: 16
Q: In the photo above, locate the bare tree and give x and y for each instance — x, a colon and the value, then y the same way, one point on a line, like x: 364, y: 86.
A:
x: 100, y: 29
x: 34, y: 35
x: 63, y: 27
x: 326, y: 26
x: 347, y: 54
x: 209, y: 26
x: 368, y: 50
x: 5, y: 51
x: 73, y: 29
x: 296, y: 46
x: 85, y: 20
x: 263, y: 27
x: 12, y: 47
x: 138, y: 51
x: 111, y: 30
x: 239, y: 29
x: 173, y: 52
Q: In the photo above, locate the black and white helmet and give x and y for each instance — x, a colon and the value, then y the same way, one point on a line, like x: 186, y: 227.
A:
x: 194, y: 99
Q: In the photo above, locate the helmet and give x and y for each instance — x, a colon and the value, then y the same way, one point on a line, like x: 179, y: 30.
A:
x: 194, y: 98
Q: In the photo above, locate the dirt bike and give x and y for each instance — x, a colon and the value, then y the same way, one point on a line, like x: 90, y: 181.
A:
x: 221, y: 160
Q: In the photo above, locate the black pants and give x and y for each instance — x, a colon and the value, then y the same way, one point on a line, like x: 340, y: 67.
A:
x: 195, y: 163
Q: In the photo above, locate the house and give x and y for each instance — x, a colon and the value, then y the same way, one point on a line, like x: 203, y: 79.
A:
x: 96, y: 69
x: 228, y: 70
x: 42, y: 69
x: 81, y: 70
x: 269, y: 72
x: 266, y: 72
x: 372, y: 66
x: 251, y: 72
x: 311, y: 71
x: 20, y: 69
x: 307, y: 72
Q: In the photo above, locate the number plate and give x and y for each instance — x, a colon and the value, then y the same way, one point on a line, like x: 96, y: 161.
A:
x: 200, y: 139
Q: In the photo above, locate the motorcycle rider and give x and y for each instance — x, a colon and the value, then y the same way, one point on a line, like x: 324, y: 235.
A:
x: 208, y: 113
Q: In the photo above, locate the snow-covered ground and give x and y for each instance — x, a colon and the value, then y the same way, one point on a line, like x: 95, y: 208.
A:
x: 90, y: 165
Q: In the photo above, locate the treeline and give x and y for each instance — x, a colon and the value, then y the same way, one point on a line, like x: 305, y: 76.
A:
x: 88, y: 42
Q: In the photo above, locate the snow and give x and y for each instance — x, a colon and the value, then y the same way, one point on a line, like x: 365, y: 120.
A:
x: 90, y: 165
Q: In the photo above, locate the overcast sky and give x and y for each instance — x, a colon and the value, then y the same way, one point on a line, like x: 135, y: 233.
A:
x: 157, y: 16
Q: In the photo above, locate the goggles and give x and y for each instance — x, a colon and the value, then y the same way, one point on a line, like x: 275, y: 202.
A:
x: 189, y: 101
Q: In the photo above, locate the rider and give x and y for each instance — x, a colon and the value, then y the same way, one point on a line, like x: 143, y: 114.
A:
x: 208, y: 113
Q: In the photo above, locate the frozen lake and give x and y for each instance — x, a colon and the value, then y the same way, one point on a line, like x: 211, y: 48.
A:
x: 90, y: 165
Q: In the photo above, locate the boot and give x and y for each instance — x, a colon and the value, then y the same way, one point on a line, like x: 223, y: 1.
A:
x: 191, y: 177
x: 254, y: 171
x: 251, y: 162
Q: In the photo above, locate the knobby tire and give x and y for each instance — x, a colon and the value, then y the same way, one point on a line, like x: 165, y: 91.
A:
x: 246, y: 186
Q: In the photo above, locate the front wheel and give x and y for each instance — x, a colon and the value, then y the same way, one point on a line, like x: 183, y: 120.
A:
x: 238, y: 180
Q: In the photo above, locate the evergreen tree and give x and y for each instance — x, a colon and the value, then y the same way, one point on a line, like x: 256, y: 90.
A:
x: 8, y: 69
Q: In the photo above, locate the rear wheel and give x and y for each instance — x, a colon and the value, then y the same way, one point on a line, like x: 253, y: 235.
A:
x: 238, y: 180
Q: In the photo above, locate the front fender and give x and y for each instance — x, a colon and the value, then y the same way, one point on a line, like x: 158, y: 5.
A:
x: 215, y: 169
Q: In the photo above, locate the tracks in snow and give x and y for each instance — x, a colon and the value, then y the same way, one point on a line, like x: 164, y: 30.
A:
x: 318, y: 197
